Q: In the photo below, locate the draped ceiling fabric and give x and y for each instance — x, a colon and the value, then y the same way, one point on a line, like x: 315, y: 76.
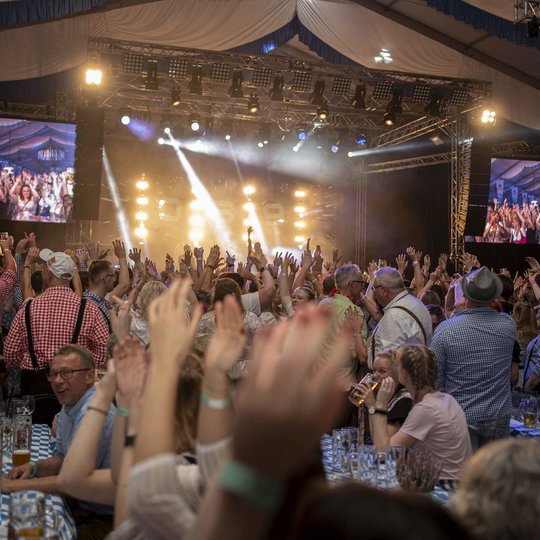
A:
x: 337, y: 30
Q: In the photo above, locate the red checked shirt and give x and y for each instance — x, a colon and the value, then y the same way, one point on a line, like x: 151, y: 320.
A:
x: 53, y: 316
x: 8, y: 280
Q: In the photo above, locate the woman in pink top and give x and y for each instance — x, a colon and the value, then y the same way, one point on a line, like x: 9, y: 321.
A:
x: 436, y: 418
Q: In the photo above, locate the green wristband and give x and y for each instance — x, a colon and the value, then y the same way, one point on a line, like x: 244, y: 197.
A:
x: 251, y: 485
x: 122, y: 411
x: 213, y: 403
x: 33, y: 466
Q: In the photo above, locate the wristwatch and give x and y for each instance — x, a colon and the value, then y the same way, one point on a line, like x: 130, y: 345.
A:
x: 373, y: 410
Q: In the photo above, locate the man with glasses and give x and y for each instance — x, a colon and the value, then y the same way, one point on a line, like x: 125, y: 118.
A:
x: 102, y: 277
x: 405, y: 319
x: 71, y: 375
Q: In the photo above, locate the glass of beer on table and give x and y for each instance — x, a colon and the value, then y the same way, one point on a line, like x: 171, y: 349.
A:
x: 26, y: 515
x: 22, y: 430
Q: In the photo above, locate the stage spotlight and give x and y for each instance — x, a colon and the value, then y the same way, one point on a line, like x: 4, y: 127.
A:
x: 335, y: 148
x: 322, y: 112
x: 196, y: 220
x: 195, y: 85
x: 248, y: 190
x: 260, y: 144
x: 265, y: 133
x: 299, y: 239
x: 299, y: 209
x: 235, y: 90
x: 161, y: 140
x: 94, y: 76
x: 299, y: 224
x: 296, y: 148
x: 389, y: 118
x: 125, y: 116
x: 434, y: 107
x: 141, y: 232
x: 142, y: 185
x: 167, y: 130
x: 175, y: 96
x: 226, y: 127
x: 194, y: 123
x: 141, y: 216
x: 359, y: 99
x: 361, y: 139
x: 151, y: 82
x: 317, y: 97
x: 142, y: 201
x: 299, y: 193
x: 489, y: 116
x: 253, y: 104
x: 276, y: 94
x: 301, y: 134
x: 249, y: 206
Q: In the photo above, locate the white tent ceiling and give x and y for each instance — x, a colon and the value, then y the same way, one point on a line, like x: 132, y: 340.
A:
x: 421, y: 39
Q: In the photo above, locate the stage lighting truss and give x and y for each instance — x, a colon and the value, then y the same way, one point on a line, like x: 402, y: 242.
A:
x: 302, y: 81
x: 261, y: 77
x: 221, y: 73
x: 421, y: 93
x: 460, y: 97
x: 383, y: 90
x: 133, y: 63
x: 178, y: 68
x: 341, y: 86
x: 151, y: 82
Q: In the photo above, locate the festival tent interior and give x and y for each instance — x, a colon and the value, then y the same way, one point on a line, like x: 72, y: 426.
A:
x: 475, y: 45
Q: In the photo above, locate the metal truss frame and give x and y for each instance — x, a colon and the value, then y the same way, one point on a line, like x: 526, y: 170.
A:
x: 361, y: 215
x: 525, y: 11
x: 409, y: 163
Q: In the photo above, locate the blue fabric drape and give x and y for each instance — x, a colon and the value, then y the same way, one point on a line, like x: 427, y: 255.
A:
x: 284, y: 34
x: 28, y: 89
x: 480, y: 19
x: 33, y: 11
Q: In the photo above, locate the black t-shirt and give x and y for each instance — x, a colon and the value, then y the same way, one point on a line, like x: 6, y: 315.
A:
x: 399, y: 411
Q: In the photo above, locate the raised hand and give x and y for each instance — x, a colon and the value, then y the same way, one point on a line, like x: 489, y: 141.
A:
x: 82, y: 255
x: 135, y: 255
x: 121, y: 320
x: 307, y: 259
x: 402, y: 263
x: 352, y: 320
x: 414, y: 255
x: 228, y: 340
x: 467, y: 260
x: 32, y: 256
x: 533, y: 263
x: 119, y: 249
x: 213, y: 258
x: 31, y: 237
x: 169, y: 265
x: 131, y: 367
x: 95, y: 251
x: 188, y: 255
x: 372, y: 268
x: 443, y: 261
x: 198, y: 252
x: 230, y: 260
x: 171, y: 334
x: 22, y: 246
x: 336, y: 257
x: 278, y: 259
x: 255, y: 261
x: 286, y: 262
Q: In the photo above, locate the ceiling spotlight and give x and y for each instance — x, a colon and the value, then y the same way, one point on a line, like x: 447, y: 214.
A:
x: 194, y: 123
x: 248, y: 190
x: 260, y: 144
x: 161, y: 140
x: 434, y: 107
x: 359, y: 99
x: 167, y: 130
x: 302, y: 135
x: 361, y: 139
x: 141, y: 216
x: 296, y: 148
x: 142, y: 201
x: 389, y: 118
x: 175, y: 96
x: 195, y: 85
x: 94, y: 76
x: 142, y: 185
x: 322, y: 111
x: 235, y: 90
x: 276, y: 94
x: 317, y: 97
x: 299, y: 193
x: 141, y: 232
x: 253, y: 104
x: 151, y: 82
x: 125, y: 116
x: 226, y: 128
x: 489, y: 116
x: 335, y: 148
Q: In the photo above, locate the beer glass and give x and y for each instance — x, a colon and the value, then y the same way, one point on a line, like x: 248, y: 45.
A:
x: 528, y: 408
x: 22, y: 429
x: 27, y: 515
x: 355, y: 397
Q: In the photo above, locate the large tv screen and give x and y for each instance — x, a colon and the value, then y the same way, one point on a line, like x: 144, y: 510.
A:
x: 36, y: 174
x: 512, y: 215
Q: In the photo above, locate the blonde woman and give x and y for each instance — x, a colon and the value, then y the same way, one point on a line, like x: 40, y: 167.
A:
x: 139, y: 312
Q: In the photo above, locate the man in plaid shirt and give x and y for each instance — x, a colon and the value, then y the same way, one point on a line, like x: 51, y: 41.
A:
x: 53, y: 318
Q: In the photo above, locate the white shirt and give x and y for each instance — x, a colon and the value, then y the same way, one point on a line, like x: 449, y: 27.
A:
x: 251, y: 302
x: 398, y: 327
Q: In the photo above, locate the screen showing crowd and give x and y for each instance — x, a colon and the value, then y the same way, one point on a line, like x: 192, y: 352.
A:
x: 513, y: 216
x: 36, y: 175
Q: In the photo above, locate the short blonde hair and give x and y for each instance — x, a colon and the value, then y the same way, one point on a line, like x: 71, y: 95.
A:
x: 496, y: 497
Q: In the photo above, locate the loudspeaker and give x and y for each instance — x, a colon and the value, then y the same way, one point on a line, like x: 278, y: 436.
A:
x: 479, y: 186
x: 88, y: 162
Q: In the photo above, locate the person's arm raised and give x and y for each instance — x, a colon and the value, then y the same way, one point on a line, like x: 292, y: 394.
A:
x: 266, y: 292
x: 123, y: 275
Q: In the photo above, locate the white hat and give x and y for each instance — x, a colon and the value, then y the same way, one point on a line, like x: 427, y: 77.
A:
x: 60, y: 264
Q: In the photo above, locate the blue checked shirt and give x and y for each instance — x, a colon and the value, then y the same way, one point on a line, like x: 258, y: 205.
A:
x: 474, y: 357
x: 101, y: 303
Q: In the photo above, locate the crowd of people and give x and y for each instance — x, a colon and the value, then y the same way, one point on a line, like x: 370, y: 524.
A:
x: 512, y: 224
x: 221, y: 375
x: 31, y: 196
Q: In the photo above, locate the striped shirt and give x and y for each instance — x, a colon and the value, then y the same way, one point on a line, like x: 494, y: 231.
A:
x: 474, y: 357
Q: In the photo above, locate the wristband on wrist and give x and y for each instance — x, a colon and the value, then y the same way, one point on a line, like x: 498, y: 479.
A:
x: 122, y: 411
x: 251, y: 485
x: 210, y: 266
x: 213, y: 403
x: 33, y: 467
x: 381, y: 411
x: 27, y: 266
x: 96, y: 409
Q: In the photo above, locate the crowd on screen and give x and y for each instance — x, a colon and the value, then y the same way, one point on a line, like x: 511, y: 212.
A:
x: 512, y: 224
x: 220, y: 372
x: 30, y: 196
